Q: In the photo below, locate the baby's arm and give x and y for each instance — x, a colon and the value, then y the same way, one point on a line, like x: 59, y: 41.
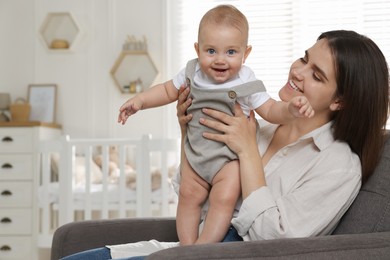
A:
x: 280, y: 112
x: 158, y: 95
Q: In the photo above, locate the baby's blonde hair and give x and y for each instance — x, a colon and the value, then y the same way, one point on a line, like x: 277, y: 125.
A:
x: 226, y: 15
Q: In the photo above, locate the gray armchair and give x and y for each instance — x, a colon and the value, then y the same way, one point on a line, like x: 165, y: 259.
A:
x: 363, y: 232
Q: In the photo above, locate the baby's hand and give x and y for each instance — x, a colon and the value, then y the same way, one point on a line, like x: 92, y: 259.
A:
x: 300, y: 107
x: 130, y: 107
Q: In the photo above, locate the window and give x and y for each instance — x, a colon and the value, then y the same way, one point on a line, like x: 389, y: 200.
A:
x: 280, y: 30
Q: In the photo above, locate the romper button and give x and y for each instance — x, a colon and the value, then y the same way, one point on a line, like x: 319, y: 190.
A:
x: 188, y: 82
x: 232, y: 94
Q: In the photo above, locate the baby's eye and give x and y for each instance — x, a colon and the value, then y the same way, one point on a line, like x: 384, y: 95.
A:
x: 231, y: 52
x: 211, y: 51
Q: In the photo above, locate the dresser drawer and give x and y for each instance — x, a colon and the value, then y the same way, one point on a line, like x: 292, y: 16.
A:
x: 15, y: 194
x: 16, y: 167
x: 16, y: 140
x: 15, y: 221
x: 15, y: 248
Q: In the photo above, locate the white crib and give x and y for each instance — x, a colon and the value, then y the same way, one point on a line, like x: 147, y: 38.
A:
x: 62, y: 200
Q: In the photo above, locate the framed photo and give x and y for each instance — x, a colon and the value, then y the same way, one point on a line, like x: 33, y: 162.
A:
x: 42, y: 99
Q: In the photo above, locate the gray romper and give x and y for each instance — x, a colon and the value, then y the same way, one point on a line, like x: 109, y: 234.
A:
x: 205, y: 156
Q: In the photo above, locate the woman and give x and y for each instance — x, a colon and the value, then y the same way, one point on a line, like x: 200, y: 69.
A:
x: 299, y: 178
x: 305, y: 174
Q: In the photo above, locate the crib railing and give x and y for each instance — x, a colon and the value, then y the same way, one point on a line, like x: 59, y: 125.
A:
x: 144, y: 153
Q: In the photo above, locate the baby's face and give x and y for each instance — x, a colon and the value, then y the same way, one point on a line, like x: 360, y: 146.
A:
x: 221, y: 51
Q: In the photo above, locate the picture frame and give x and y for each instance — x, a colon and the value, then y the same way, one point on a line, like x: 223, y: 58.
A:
x: 43, y: 101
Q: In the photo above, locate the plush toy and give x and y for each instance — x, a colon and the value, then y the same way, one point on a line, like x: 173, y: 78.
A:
x: 130, y: 173
x: 113, y: 166
x: 79, y: 169
x: 79, y: 176
x: 113, y: 159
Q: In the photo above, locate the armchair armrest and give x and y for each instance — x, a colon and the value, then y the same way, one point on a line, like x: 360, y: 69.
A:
x: 347, y: 247
x: 79, y: 236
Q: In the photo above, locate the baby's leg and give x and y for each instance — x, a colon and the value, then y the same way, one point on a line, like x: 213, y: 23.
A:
x: 225, y: 191
x: 193, y: 193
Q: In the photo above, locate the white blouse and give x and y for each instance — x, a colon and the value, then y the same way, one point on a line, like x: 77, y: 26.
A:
x: 310, y: 185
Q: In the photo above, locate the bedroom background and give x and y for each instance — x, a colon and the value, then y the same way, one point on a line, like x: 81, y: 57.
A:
x: 87, y: 97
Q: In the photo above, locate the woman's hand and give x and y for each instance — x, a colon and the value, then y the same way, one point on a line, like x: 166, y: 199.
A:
x: 238, y: 132
x: 182, y: 104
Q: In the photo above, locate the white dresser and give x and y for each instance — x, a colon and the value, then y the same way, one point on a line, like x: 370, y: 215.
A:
x: 19, y: 171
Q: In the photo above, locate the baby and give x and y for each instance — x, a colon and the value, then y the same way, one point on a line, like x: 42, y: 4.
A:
x: 217, y: 79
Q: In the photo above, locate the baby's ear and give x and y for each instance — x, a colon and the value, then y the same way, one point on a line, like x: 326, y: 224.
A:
x: 247, y: 52
x: 196, y: 46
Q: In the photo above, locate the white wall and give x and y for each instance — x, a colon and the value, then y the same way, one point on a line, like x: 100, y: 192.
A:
x: 16, y: 46
x: 88, y: 101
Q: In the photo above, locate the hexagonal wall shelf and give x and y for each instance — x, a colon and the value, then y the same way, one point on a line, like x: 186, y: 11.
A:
x: 134, y: 71
x: 59, y: 31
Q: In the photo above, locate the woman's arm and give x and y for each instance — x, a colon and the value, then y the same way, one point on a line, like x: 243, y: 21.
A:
x: 239, y: 134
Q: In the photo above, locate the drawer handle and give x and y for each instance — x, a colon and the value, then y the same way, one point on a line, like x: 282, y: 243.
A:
x: 5, y: 248
x: 7, y: 139
x: 6, y: 193
x: 6, y: 166
x: 6, y: 220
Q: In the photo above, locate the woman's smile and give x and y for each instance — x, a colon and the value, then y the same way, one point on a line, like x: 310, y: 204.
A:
x: 292, y: 85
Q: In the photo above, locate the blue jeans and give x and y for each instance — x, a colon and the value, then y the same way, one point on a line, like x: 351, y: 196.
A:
x: 232, y: 235
x: 103, y: 253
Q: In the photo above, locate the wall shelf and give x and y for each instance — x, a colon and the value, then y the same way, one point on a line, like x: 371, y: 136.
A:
x: 59, y: 31
x: 134, y: 71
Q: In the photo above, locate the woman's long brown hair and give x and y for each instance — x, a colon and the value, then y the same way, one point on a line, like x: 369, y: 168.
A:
x: 362, y: 78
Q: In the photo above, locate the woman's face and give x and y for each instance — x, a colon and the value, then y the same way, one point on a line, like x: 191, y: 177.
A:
x: 314, y: 77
